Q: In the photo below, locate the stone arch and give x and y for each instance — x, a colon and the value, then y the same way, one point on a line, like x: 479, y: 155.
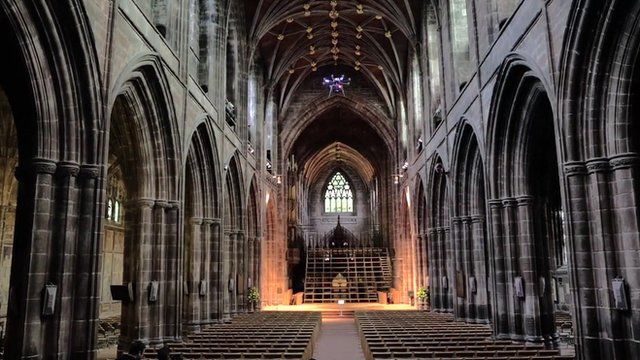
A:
x: 234, y: 235
x: 143, y: 144
x: 524, y: 180
x: 295, y: 125
x: 143, y: 93
x: 440, y: 247
x: 460, y: 42
x: 254, y: 240
x: 421, y: 215
x: 433, y: 59
x: 598, y: 110
x: 202, y: 229
x: 274, y: 272
x: 50, y: 72
x: 404, y: 263
x: 468, y: 227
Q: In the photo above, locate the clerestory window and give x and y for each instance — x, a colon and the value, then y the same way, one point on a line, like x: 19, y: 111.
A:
x: 338, y: 195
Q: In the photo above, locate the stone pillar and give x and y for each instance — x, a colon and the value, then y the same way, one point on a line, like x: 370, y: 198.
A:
x: 480, y: 266
x: 232, y: 275
x: 135, y: 319
x: 457, y: 232
x: 192, y: 276
x: 205, y: 271
x: 527, y: 265
x: 467, y: 268
x: 434, y: 270
x: 241, y: 270
x: 156, y: 255
x: 25, y: 333
x: 64, y: 246
x: 173, y: 251
x: 216, y: 272
x: 87, y: 282
x: 449, y: 265
x: 501, y: 311
x: 514, y: 305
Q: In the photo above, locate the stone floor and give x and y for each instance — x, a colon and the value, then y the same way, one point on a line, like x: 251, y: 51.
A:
x: 109, y: 353
x: 338, y: 340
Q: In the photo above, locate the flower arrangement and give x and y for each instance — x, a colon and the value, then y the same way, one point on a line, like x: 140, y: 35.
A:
x: 423, y: 294
x: 254, y: 295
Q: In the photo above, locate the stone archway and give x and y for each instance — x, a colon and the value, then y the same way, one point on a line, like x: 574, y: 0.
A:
x: 202, y: 270
x: 469, y: 228
x: 440, y: 247
x: 598, y: 112
x: 525, y: 206
x: 57, y: 216
x: 142, y: 111
x: 234, y: 240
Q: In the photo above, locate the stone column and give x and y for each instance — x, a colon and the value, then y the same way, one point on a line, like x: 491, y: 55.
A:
x: 135, y: 319
x: 467, y: 268
x: 480, y: 265
x: 216, y: 272
x: 434, y: 270
x: 87, y: 282
x: 205, y: 271
x: 527, y: 261
x: 173, y: 272
x: 512, y: 269
x: 62, y: 262
x: 25, y: 337
x: 457, y: 232
x: 500, y: 313
x: 449, y: 265
x: 229, y: 260
x: 241, y: 288
x: 583, y: 287
x: 192, y: 303
x: 156, y: 257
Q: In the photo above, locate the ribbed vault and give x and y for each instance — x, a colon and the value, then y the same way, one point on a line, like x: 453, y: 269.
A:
x: 298, y: 37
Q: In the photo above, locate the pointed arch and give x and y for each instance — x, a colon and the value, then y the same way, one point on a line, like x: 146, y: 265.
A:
x: 339, y: 196
x: 440, y: 247
x: 50, y: 73
x: 468, y: 227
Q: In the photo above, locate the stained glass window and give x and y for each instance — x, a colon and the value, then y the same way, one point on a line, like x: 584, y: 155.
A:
x: 338, y: 196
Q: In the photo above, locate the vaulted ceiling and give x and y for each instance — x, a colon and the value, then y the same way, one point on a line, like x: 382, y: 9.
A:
x: 297, y: 38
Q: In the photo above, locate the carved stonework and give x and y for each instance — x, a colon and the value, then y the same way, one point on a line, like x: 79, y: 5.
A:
x: 575, y: 169
x: 624, y: 161
x: 598, y: 165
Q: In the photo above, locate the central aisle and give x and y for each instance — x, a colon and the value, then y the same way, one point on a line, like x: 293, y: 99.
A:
x: 338, y: 339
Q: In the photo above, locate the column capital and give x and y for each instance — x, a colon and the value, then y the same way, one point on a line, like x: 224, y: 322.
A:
x: 509, y: 202
x: 89, y: 171
x: 575, y: 168
x: 598, y: 165
x: 524, y: 200
x: 624, y: 161
x: 477, y: 219
x: 67, y: 169
x: 142, y: 203
x: 35, y: 167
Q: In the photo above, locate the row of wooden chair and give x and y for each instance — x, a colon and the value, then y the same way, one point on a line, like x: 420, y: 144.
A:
x: 264, y: 335
x: 425, y: 335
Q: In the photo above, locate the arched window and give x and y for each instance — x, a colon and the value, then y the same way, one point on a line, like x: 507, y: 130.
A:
x: 338, y: 195
x: 460, y: 41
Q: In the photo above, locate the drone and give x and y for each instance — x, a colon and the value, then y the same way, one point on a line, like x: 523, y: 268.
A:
x: 336, y: 84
